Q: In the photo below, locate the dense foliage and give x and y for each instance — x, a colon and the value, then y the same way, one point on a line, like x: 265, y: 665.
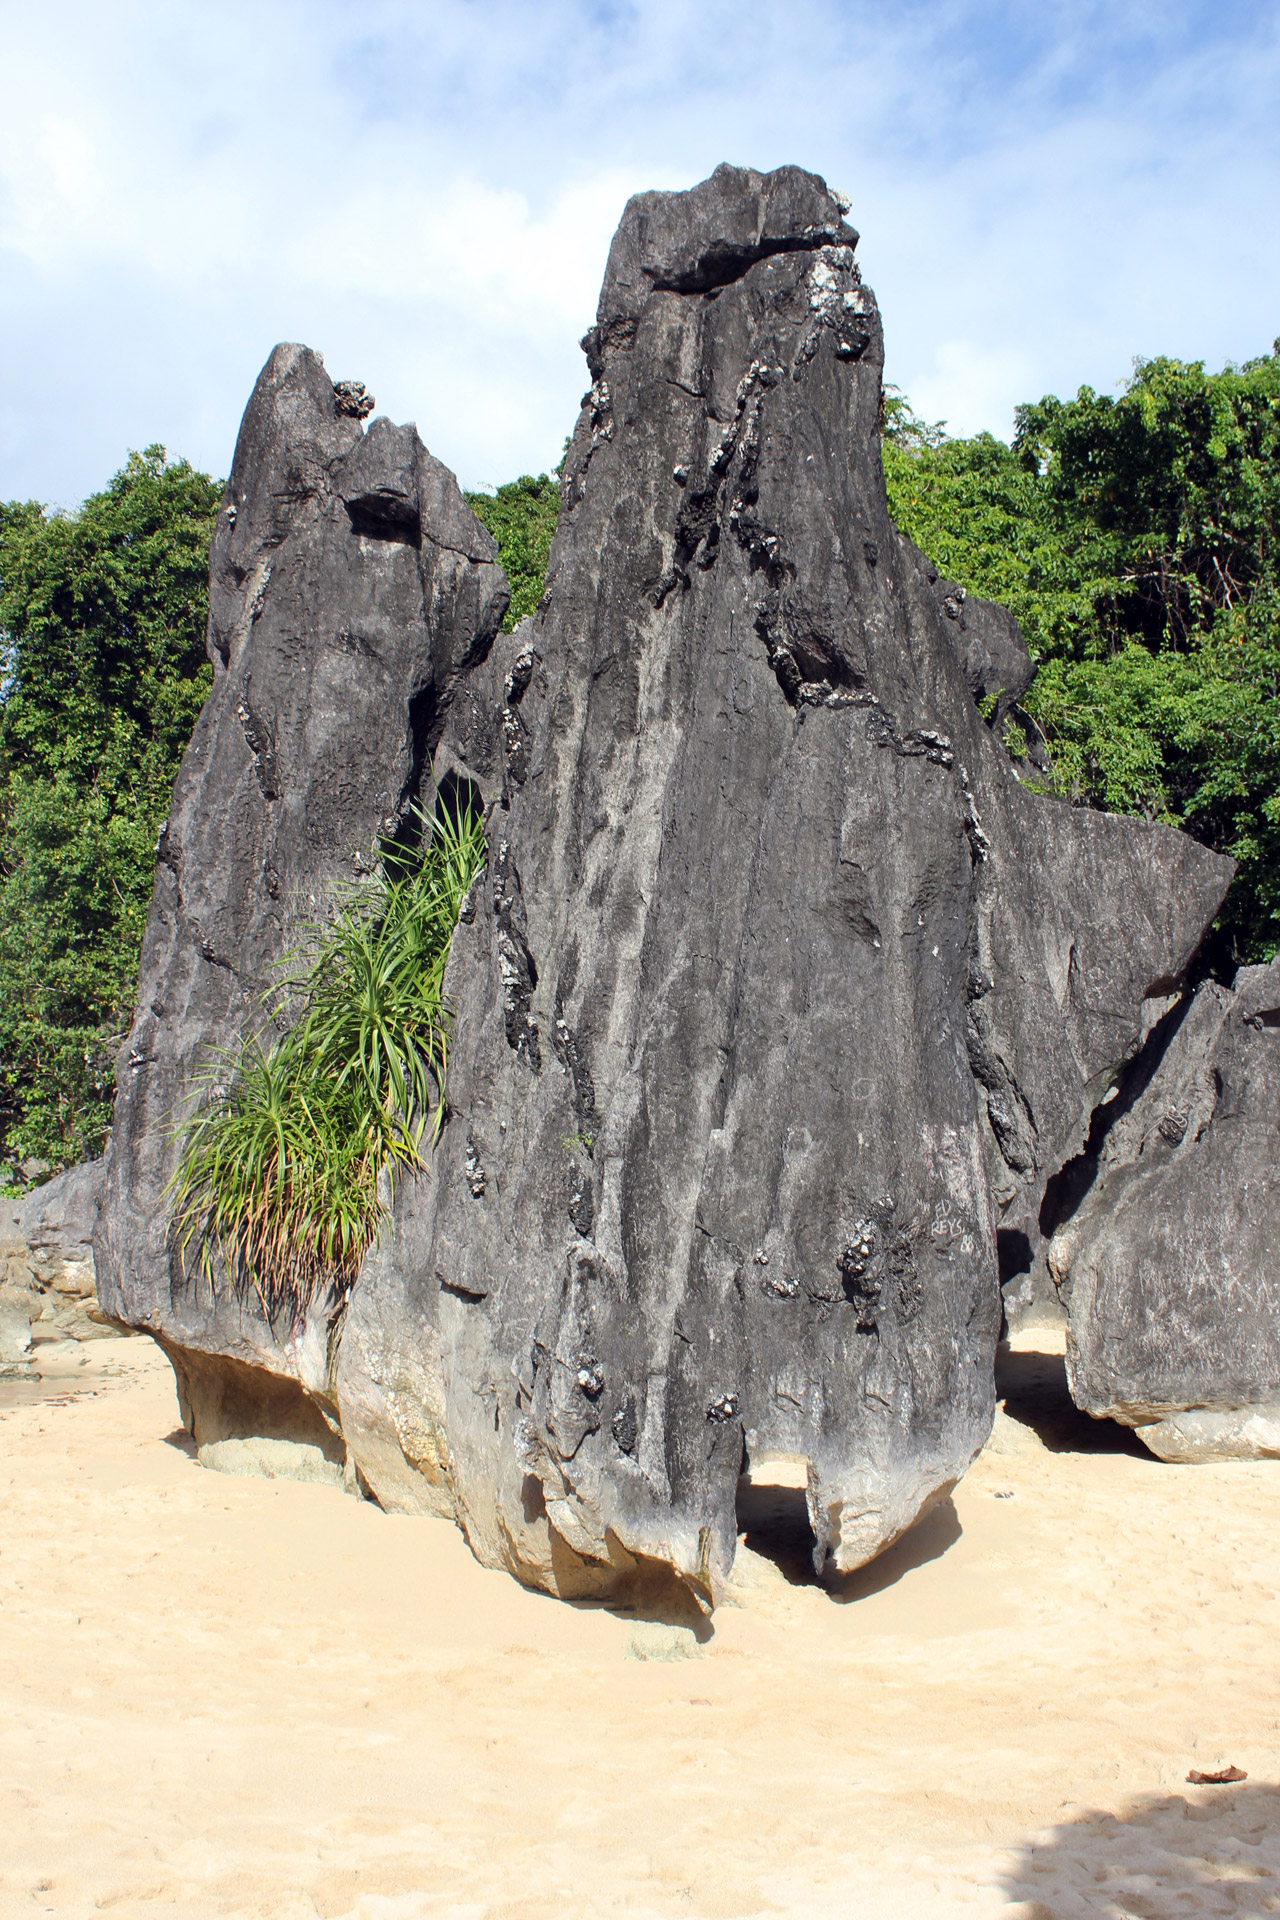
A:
x: 1135, y: 539
x: 102, y: 674
x: 286, y: 1174
x: 522, y: 519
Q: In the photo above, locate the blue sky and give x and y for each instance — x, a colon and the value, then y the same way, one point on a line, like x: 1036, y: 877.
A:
x: 426, y: 193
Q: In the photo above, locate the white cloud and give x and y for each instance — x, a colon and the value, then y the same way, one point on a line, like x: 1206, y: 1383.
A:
x: 969, y: 386
x: 426, y: 192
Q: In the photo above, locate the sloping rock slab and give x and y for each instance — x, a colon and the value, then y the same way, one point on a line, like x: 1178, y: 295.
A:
x: 775, y: 976
x: 1171, y: 1264
x: 350, y: 586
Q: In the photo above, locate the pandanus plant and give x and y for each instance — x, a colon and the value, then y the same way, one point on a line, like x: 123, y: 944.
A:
x: 289, y: 1157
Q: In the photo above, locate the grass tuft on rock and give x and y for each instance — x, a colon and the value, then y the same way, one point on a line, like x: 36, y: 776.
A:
x: 287, y: 1166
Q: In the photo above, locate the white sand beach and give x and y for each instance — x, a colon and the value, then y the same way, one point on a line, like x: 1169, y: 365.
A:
x: 250, y: 1697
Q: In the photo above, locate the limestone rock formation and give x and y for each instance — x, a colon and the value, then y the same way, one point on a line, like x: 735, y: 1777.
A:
x: 780, y: 997
x: 776, y: 977
x: 57, y: 1222
x: 350, y: 585
x: 46, y: 1264
x: 1170, y: 1259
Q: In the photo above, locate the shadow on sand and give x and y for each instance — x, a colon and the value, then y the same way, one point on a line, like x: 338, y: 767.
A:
x: 774, y: 1522
x: 1210, y: 1850
x: 1033, y: 1387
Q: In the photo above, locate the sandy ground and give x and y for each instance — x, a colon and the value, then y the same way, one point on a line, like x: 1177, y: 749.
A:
x: 251, y: 1697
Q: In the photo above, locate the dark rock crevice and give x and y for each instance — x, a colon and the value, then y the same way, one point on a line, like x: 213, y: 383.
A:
x: 260, y: 740
x: 724, y: 261
x: 1164, y: 1232
x: 424, y: 726
x: 518, y: 969
x: 1067, y: 1188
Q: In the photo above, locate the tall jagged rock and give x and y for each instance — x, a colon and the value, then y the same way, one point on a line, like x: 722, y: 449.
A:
x: 780, y: 996
x: 1169, y: 1254
x: 350, y: 586
x: 778, y: 1000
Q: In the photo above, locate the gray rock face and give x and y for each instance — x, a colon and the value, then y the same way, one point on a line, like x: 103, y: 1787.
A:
x: 776, y: 975
x: 57, y: 1221
x: 1170, y: 1263
x: 350, y: 585
x: 46, y: 1261
x: 779, y: 999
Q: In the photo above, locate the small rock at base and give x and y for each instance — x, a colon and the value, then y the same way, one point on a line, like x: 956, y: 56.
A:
x: 1207, y: 1433
x: 260, y: 1459
x: 650, y: 1640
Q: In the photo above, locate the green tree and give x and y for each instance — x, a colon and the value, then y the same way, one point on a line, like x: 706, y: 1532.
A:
x: 102, y: 623
x: 1135, y: 539
x: 522, y: 519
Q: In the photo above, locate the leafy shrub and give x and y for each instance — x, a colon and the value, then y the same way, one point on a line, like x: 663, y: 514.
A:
x: 286, y: 1175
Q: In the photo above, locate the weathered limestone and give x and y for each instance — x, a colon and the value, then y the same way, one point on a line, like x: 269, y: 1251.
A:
x: 1170, y: 1262
x: 779, y: 998
x: 775, y: 975
x: 350, y: 585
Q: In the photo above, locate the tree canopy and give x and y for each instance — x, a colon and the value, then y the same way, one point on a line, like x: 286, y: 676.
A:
x: 1135, y: 540
x: 522, y: 519
x: 102, y: 626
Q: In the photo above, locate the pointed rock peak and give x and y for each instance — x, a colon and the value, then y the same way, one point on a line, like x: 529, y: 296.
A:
x: 710, y: 236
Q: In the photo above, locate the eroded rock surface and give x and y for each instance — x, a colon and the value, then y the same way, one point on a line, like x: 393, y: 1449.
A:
x: 1170, y: 1260
x: 350, y: 585
x: 778, y: 999
x: 780, y: 994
